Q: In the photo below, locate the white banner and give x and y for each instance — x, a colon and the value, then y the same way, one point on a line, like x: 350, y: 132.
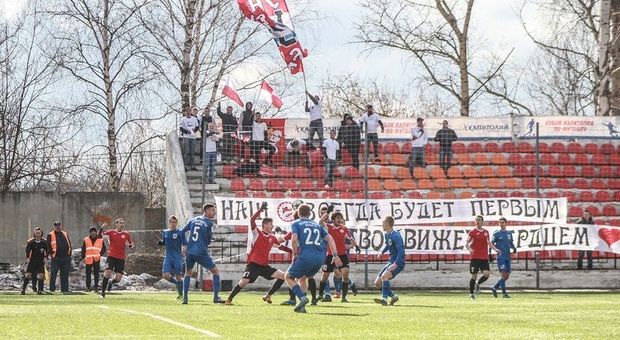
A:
x: 451, y: 240
x: 237, y: 211
x: 481, y: 128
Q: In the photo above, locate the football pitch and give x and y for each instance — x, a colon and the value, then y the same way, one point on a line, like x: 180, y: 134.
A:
x: 418, y: 315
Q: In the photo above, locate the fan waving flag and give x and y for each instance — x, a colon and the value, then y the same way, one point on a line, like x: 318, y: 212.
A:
x: 275, y: 15
x: 266, y: 94
x: 230, y: 92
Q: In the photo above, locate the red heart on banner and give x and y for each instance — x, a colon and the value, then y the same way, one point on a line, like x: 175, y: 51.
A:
x: 610, y: 236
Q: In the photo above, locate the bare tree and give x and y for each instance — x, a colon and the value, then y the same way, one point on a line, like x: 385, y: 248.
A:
x: 31, y: 132
x: 103, y: 50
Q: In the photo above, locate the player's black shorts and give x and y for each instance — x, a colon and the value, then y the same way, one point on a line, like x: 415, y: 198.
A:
x: 476, y: 266
x: 328, y: 266
x: 36, y: 267
x: 115, y: 265
x: 254, y: 270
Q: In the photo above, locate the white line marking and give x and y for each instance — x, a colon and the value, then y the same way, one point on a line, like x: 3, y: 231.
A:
x: 161, y: 318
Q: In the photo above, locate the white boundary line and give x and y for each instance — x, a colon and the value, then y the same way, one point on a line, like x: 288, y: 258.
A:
x: 163, y: 319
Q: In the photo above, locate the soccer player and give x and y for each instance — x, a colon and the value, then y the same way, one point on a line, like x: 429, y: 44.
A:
x: 200, y: 229
x: 36, y: 253
x: 258, y: 259
x: 502, y: 239
x: 172, y: 269
x: 118, y: 239
x: 478, y: 245
x: 394, y: 244
x: 340, y: 233
x: 308, y: 254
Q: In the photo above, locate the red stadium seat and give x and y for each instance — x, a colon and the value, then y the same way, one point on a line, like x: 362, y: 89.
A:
x: 437, y: 172
x: 455, y: 172
x: 459, y: 147
x: 260, y: 194
x: 602, y: 196
x: 463, y: 159
x: 588, y: 171
x: 474, y: 147
x: 581, y: 159
x: 425, y: 184
x: 555, y: 171
x: 570, y: 195
x: 420, y: 173
x: 346, y: 158
x: 300, y: 172
x: 609, y: 210
x: 586, y: 196
x: 398, y: 159
x: 574, y: 148
x: 575, y: 212
x: 357, y: 185
x: 273, y: 185
x: 433, y: 195
x: 377, y: 195
x: 458, y: 183
x: 499, y: 194
x: 406, y: 148
x: 570, y: 171
x: 491, y: 147
x: 495, y: 183
x: 402, y: 173
x: 565, y: 158
x: 512, y: 183
x: 385, y: 172
x: 614, y: 159
x: 525, y: 147
x: 374, y: 185
x: 342, y: 185
x: 591, y: 148
x: 487, y: 171
x: 345, y: 195
x: 606, y: 171
x: 318, y: 172
x: 522, y: 171
x: 311, y: 195
x: 546, y: 183
x: 469, y: 172
x: 316, y: 158
x: 483, y: 194
x: 391, y: 147
x: 285, y: 172
x: 599, y: 159
x: 237, y: 184
x: 408, y: 184
x: 442, y: 183
x: 516, y: 194
x: 481, y: 159
x: 593, y: 210
x: 548, y: 159
x: 558, y: 147
x: 544, y: 147
x: 277, y: 194
x: 416, y: 195
x: 515, y: 159
x: 449, y: 195
x: 372, y: 173
x: 228, y: 171
x: 613, y: 183
x: 397, y: 194
x: 528, y: 183
x: 307, y: 185
x: 256, y: 184
x: 563, y: 183
x: 499, y: 159
x: 504, y: 171
x: 607, y: 149
x: 351, y: 172
x: 581, y: 183
x: 598, y: 183
x: 477, y: 183
x: 391, y: 185
x: 509, y: 147
x: 329, y: 194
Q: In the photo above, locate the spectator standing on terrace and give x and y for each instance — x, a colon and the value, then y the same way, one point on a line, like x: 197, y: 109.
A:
x: 295, y: 152
x: 330, y: 149
x: 212, y: 136
x: 372, y: 121
x: 229, y: 126
x: 585, y: 219
x: 205, y: 119
x: 445, y: 137
x: 349, y: 138
x: 419, y: 139
x: 246, y: 123
x: 189, y: 126
x: 258, y: 142
x: 316, y: 119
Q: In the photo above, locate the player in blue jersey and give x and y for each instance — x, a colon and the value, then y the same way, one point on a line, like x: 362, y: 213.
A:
x: 200, y: 231
x: 308, y: 254
x: 395, y: 245
x: 502, y: 239
x: 173, y: 240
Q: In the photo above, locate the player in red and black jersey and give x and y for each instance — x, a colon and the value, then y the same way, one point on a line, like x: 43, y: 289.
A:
x: 478, y: 242
x: 258, y: 258
x: 341, y: 235
x: 37, y: 252
x: 118, y: 239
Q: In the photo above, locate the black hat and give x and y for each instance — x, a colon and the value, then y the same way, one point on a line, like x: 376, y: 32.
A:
x: 347, y: 116
x: 420, y: 118
x: 57, y: 223
x: 93, y: 228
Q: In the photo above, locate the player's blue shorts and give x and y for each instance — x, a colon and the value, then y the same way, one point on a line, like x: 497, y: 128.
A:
x: 395, y: 268
x: 203, y: 260
x: 305, y: 267
x: 173, y: 265
x: 503, y: 264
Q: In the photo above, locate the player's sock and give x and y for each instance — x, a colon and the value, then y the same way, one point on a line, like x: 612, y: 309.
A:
x: 186, y: 281
x: 297, y: 291
x: 274, y: 288
x: 34, y: 283
x: 472, y: 285
x: 26, y: 280
x: 391, y: 293
x: 172, y: 279
x: 104, y: 285
x: 311, y: 288
x: 216, y: 287
x: 338, y: 284
x: 180, y: 287
x: 503, y: 286
x: 236, y: 289
x: 482, y: 279
x: 40, y: 290
x: 385, y: 289
x: 321, y: 287
x: 345, y: 289
x: 291, y: 294
x: 498, y: 283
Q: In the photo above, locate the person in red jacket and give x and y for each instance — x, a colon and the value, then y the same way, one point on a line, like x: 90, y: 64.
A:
x: 93, y: 248
x: 258, y: 259
x: 118, y: 240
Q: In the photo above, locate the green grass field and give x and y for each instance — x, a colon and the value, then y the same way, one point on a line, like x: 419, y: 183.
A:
x: 421, y: 315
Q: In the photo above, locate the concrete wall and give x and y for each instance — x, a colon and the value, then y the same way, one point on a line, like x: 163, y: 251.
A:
x: 178, y: 201
x: 20, y: 212
x: 155, y: 218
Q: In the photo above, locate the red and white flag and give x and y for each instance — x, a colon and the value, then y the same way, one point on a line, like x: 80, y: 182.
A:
x: 275, y: 15
x: 230, y: 92
x: 266, y: 94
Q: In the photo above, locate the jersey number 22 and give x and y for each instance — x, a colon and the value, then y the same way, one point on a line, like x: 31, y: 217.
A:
x: 317, y: 237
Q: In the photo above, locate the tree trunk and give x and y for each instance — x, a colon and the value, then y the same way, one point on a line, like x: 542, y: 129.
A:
x: 601, y: 101
x: 613, y: 63
x: 463, y: 60
x: 190, y: 12
x: 110, y: 109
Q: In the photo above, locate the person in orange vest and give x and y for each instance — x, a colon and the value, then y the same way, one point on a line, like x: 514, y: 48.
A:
x: 36, y: 254
x: 60, y: 251
x: 92, y: 250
